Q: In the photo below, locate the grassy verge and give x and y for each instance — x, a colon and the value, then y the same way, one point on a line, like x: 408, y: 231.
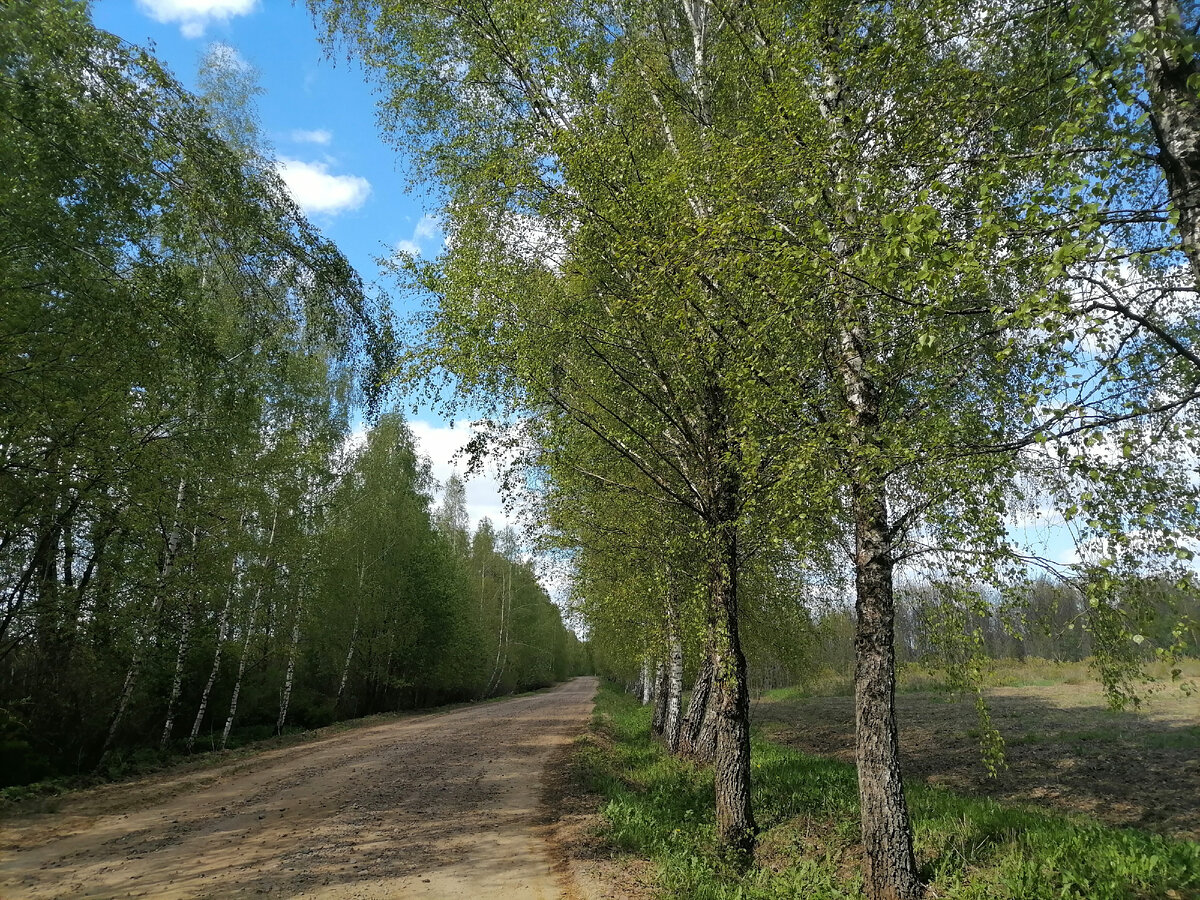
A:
x: 660, y: 808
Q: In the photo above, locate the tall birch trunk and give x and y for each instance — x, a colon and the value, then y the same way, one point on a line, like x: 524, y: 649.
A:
x: 502, y: 641
x: 673, y: 723
x: 237, y: 685
x: 891, y: 868
x: 645, y: 683
x: 1175, y: 114
x: 177, y: 680
x: 890, y: 865
x: 346, y: 665
x: 659, y: 720
x: 286, y: 699
x: 730, y: 705
x: 362, y: 571
x: 222, y: 634
x: 250, y: 619
x: 693, y: 720
x: 135, y: 664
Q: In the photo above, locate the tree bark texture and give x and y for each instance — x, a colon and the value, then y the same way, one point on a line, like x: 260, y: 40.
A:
x: 730, y: 705
x: 674, y: 719
x: 286, y: 700
x: 659, y: 720
x: 177, y: 680
x: 1175, y: 115
x: 689, y: 732
x: 891, y: 868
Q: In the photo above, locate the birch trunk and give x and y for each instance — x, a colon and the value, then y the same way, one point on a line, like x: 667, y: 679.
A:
x: 346, y: 665
x: 237, y: 685
x: 362, y: 571
x: 501, y: 645
x: 177, y: 681
x: 135, y: 664
x: 286, y: 700
x: 705, y: 747
x: 730, y: 706
x: 222, y: 634
x: 645, y: 684
x: 671, y: 727
x: 250, y: 619
x: 693, y: 720
x: 1175, y: 115
x: 890, y: 865
x: 659, y: 719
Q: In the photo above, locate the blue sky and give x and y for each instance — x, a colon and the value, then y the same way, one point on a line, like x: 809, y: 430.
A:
x: 318, y: 115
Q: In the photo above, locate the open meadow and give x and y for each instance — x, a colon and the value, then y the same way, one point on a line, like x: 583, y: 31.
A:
x: 1065, y: 748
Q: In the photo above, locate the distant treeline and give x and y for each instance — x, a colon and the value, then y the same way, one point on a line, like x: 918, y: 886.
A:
x: 192, y: 551
x: 1043, y: 619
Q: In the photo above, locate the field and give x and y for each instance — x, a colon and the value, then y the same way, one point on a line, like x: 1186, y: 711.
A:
x: 1049, y: 826
x: 1065, y: 748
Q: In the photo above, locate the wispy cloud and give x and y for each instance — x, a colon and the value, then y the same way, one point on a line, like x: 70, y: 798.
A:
x: 427, y: 235
x: 194, y: 16
x: 316, y: 190
x: 320, y: 136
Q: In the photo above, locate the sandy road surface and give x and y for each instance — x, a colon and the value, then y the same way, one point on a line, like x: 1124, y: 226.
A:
x: 443, y: 805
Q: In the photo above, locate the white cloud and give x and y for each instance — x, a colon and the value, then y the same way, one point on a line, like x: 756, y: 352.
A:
x: 427, y: 235
x: 427, y: 228
x: 194, y: 16
x: 442, y: 444
x: 317, y: 191
x: 320, y: 136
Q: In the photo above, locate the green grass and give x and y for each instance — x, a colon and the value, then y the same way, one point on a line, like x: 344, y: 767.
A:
x: 1185, y: 739
x: 660, y: 808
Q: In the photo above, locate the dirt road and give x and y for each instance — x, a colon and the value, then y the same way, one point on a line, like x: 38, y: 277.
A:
x: 443, y: 805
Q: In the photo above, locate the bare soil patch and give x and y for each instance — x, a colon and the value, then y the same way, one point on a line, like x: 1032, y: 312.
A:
x: 574, y: 825
x: 444, y: 805
x: 1065, y: 749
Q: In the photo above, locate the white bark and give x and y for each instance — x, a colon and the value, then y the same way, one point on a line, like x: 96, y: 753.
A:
x: 346, y: 665
x: 291, y: 667
x: 502, y: 645
x: 135, y: 664
x: 674, y: 723
x: 177, y: 681
x: 250, y: 619
x: 222, y: 634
